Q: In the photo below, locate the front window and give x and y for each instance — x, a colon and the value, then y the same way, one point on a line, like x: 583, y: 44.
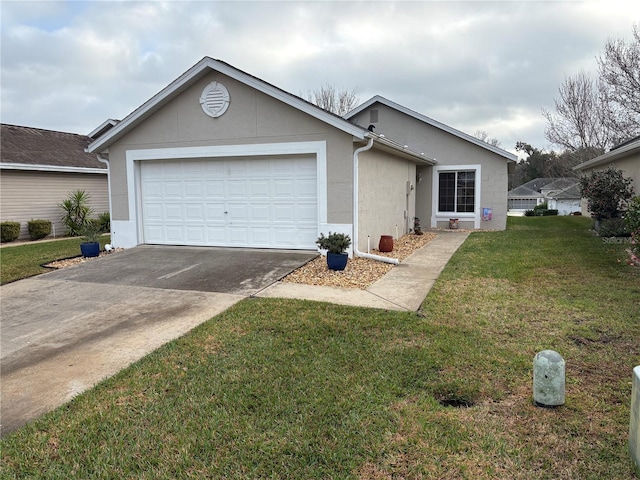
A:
x: 457, y: 192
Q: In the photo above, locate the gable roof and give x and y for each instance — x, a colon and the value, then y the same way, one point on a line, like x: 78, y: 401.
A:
x: 573, y: 192
x: 560, y: 183
x: 557, y: 183
x: 28, y: 148
x: 432, y: 122
x: 195, y: 73
x: 523, y: 192
x: 622, y: 150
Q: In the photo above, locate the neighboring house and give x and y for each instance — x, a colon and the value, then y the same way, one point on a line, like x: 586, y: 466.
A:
x: 222, y: 158
x: 625, y: 157
x: 562, y: 194
x: 39, y: 168
x: 469, y: 180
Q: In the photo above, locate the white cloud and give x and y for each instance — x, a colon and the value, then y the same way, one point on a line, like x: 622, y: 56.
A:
x: 474, y: 65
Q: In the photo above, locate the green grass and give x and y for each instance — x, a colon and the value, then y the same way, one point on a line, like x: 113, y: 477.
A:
x: 292, y: 389
x: 23, y: 261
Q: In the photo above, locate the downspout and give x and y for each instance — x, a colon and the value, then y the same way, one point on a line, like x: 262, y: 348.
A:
x: 101, y: 159
x: 357, y: 252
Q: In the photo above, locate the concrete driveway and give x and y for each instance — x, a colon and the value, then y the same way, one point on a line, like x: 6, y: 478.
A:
x: 64, y: 331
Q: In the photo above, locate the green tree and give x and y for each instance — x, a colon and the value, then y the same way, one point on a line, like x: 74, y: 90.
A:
x: 607, y: 192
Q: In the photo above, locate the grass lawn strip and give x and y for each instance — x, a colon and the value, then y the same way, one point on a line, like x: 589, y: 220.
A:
x: 23, y: 261
x: 293, y: 389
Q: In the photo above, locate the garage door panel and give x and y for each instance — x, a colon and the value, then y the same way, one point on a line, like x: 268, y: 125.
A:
x: 174, y: 233
x: 284, y: 188
x: 237, y: 189
x: 215, y: 212
x: 259, y: 189
x: 307, y: 214
x: 260, y: 213
x: 260, y: 236
x: 193, y: 189
x: 306, y: 188
x: 173, y: 189
x: 214, y: 189
x: 194, y: 212
x: 195, y: 234
x: 173, y: 212
x: 216, y: 235
x: 248, y: 202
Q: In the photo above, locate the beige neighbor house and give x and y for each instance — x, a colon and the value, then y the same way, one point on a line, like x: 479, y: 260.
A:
x: 625, y: 157
x: 222, y: 158
x: 469, y: 180
x: 38, y: 169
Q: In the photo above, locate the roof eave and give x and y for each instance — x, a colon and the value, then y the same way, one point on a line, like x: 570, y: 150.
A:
x: 191, y: 75
x: 51, y: 168
x: 401, y: 150
x: 610, y: 156
x: 430, y: 121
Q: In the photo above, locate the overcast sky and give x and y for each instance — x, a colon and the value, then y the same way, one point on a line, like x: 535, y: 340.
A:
x: 488, y: 66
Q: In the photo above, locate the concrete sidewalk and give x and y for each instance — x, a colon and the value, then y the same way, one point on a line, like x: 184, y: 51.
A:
x: 404, y: 288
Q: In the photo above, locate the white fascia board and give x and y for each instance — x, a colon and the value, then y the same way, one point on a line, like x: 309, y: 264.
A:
x: 432, y: 122
x: 51, y: 168
x: 108, y: 121
x: 401, y: 150
x: 209, y: 63
x: 610, y: 156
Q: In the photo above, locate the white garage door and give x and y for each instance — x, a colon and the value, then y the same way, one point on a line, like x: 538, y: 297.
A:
x: 238, y: 202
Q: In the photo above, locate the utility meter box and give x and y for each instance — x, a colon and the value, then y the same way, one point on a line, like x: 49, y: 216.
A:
x: 548, y: 379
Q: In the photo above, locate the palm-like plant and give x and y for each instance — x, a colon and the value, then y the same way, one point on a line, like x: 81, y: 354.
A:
x: 77, y: 212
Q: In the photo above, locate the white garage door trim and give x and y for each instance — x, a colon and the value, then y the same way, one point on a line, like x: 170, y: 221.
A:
x: 130, y: 233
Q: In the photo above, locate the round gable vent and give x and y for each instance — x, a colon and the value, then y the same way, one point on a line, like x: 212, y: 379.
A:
x: 214, y: 99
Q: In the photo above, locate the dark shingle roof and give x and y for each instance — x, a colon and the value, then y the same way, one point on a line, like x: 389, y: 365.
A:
x: 34, y: 146
x: 523, y: 192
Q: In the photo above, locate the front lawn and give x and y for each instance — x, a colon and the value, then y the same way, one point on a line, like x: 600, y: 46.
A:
x: 293, y: 389
x: 22, y: 261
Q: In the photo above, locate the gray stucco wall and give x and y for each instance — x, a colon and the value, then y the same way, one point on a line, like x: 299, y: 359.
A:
x: 447, y: 149
x: 383, y: 199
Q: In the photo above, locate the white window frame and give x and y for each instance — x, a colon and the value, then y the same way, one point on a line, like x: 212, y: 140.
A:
x: 438, y: 216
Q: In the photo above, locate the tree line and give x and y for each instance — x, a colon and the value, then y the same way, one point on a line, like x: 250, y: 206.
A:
x: 591, y: 115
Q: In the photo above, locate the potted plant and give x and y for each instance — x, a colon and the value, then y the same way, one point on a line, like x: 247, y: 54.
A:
x: 90, y: 246
x: 336, y: 245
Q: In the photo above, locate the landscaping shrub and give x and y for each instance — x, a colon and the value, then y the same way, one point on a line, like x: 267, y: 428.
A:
x: 104, y: 220
x: 9, y: 231
x: 39, y: 229
x: 76, y: 212
x: 613, y: 227
x: 606, y: 191
x: 549, y: 212
x: 632, y: 222
x: 542, y: 206
x: 529, y: 213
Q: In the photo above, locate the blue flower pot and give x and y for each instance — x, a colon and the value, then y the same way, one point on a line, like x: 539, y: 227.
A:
x: 337, y: 261
x: 91, y: 249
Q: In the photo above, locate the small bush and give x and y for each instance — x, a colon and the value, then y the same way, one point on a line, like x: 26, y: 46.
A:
x: 549, y: 212
x: 542, y: 206
x: 39, y: 229
x: 104, y: 219
x: 9, y: 231
x: 632, y: 222
x: 529, y: 213
x: 613, y: 227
